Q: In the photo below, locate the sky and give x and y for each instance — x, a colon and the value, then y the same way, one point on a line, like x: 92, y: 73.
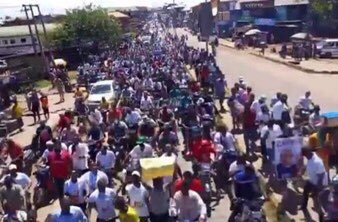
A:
x: 13, y: 7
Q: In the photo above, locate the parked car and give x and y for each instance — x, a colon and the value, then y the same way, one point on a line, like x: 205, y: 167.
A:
x: 328, y: 48
x: 106, y: 88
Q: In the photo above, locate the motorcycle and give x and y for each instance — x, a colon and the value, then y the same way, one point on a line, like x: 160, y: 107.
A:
x: 251, y: 211
x: 205, y: 175
x: 44, y: 189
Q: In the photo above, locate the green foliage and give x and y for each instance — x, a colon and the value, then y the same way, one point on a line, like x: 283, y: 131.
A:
x: 325, y: 11
x: 88, y: 27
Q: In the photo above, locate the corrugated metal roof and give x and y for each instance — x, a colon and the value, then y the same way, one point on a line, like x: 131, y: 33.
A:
x: 23, y: 30
x: 118, y: 15
x: 291, y: 2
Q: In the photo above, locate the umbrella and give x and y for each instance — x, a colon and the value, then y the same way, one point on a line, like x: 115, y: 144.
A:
x: 301, y: 36
x: 253, y: 32
x: 60, y: 62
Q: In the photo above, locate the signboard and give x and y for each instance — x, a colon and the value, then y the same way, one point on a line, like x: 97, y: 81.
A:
x: 265, y: 21
x: 255, y: 5
x: 291, y: 2
x: 287, y: 156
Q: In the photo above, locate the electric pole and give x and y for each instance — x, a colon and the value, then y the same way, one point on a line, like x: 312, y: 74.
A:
x: 207, y: 40
x: 25, y: 8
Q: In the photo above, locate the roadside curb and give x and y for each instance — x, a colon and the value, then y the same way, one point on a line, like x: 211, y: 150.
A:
x: 309, y: 71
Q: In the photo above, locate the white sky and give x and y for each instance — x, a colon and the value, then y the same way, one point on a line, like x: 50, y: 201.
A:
x: 12, y: 7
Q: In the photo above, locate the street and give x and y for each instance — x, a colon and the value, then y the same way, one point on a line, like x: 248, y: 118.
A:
x: 267, y: 78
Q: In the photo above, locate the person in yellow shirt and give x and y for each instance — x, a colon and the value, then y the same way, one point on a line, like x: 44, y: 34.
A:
x: 17, y: 113
x: 322, y: 149
x: 126, y: 212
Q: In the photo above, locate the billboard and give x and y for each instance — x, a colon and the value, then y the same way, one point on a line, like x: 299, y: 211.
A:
x: 205, y: 20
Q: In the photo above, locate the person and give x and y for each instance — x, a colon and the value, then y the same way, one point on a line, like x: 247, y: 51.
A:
x: 60, y: 88
x: 167, y: 136
x: 138, y: 196
x: 64, y: 122
x: 317, y: 174
x: 238, y: 165
x: 142, y: 150
x: 106, y: 159
x: 18, y: 177
x: 93, y: 176
x: 12, y: 196
x: 280, y: 111
x: 305, y: 101
x: 194, y: 183
x: 35, y: 105
x: 146, y: 103
x: 69, y: 134
x: 76, y: 190
x: 60, y: 164
x: 315, y: 121
x: 159, y: 201
x: 225, y: 138
x: 188, y: 205
x: 328, y: 202
x: 44, y: 134
x: 246, y: 186
x: 133, y: 117
x: 126, y: 212
x: 249, y: 128
x: 44, y: 105
x: 103, y: 199
x: 268, y: 134
x: 220, y: 86
x: 15, y: 215
x: 14, y: 151
x: 147, y: 126
x: 204, y: 151
x: 80, y: 156
x: 67, y: 212
x: 17, y: 114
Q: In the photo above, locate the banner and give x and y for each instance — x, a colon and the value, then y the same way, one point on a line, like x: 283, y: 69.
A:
x: 287, y: 156
x: 257, y: 4
x: 205, y: 20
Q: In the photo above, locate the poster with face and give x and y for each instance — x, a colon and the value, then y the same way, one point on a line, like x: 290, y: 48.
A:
x: 287, y: 156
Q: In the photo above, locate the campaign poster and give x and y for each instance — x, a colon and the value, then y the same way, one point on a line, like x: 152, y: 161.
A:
x: 287, y: 156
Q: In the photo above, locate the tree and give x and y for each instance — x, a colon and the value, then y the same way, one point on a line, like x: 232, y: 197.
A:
x: 324, y: 15
x: 85, y: 28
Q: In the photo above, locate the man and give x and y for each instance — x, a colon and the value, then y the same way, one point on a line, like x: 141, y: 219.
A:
x: 93, y: 176
x: 118, y: 129
x: 68, y: 134
x: 305, y: 101
x: 147, y: 126
x: 76, y: 190
x: 280, y: 110
x: 95, y: 133
x: 167, y: 136
x: 64, y: 122
x: 258, y: 104
x: 44, y: 134
x: 249, y: 128
x: 103, y: 199
x: 194, y: 183
x: 159, y: 201
x: 60, y: 164
x: 12, y: 195
x: 138, y: 196
x: 225, y: 138
x: 188, y: 205
x: 142, y: 150
x: 18, y: 177
x: 106, y: 158
x: 328, y: 202
x: 146, y: 103
x: 166, y: 116
x: 268, y: 134
x: 317, y: 174
x: 127, y: 213
x: 67, y: 213
x: 203, y: 152
x: 219, y: 86
x: 133, y: 117
x: 315, y: 120
x: 238, y: 165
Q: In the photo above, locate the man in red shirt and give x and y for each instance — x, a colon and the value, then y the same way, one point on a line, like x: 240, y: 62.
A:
x: 202, y: 150
x: 249, y: 128
x: 60, y: 165
x: 195, y: 184
x: 64, y: 122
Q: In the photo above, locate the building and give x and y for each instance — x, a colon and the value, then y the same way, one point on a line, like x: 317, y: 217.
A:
x: 15, y: 40
x: 122, y: 19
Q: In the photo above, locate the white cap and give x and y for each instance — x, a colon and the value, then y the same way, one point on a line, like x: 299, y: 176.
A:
x: 136, y: 173
x: 12, y: 167
x: 50, y: 143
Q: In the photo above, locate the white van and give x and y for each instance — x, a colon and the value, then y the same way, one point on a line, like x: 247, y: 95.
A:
x: 328, y: 48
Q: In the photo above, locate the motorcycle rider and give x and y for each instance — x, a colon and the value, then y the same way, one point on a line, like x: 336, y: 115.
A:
x: 147, y: 126
x: 167, y: 137
x: 246, y: 186
x: 328, y: 202
x: 315, y: 121
x: 305, y: 101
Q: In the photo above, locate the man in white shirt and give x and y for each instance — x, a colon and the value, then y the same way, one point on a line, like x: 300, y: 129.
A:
x: 225, y: 138
x: 258, y: 104
x: 133, y: 117
x: 138, y: 196
x: 80, y: 157
x: 279, y: 108
x: 18, y: 177
x: 103, y: 200
x: 106, y: 159
x: 238, y: 165
x: 305, y: 101
x: 188, y: 205
x: 142, y: 150
x: 268, y: 134
x: 76, y: 190
x: 148, y: 83
x: 315, y: 120
x: 146, y: 102
x: 92, y: 176
x: 317, y: 176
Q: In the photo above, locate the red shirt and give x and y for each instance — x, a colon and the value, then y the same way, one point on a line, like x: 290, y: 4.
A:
x: 205, y: 72
x: 64, y: 121
x: 115, y: 113
x: 249, y: 119
x: 203, y: 148
x: 195, y: 185
x: 59, y: 164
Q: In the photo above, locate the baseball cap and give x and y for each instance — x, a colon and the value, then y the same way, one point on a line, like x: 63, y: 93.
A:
x: 136, y: 173
x: 12, y: 167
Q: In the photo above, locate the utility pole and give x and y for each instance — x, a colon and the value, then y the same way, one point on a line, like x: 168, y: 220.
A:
x: 207, y: 40
x: 51, y: 57
x: 42, y: 51
x: 30, y: 29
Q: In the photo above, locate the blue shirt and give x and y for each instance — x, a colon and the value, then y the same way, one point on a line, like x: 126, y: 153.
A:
x: 76, y: 214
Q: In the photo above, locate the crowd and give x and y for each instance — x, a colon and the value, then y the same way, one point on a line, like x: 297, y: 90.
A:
x: 93, y: 158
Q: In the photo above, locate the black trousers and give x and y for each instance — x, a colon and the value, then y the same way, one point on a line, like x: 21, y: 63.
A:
x: 102, y: 220
x: 159, y: 217
x: 59, y: 184
x: 308, y: 189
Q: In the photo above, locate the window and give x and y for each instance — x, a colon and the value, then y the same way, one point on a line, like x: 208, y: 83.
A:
x: 23, y: 40
x: 5, y: 42
x: 12, y: 41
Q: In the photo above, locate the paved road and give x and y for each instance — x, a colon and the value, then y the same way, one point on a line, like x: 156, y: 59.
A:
x: 268, y: 77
